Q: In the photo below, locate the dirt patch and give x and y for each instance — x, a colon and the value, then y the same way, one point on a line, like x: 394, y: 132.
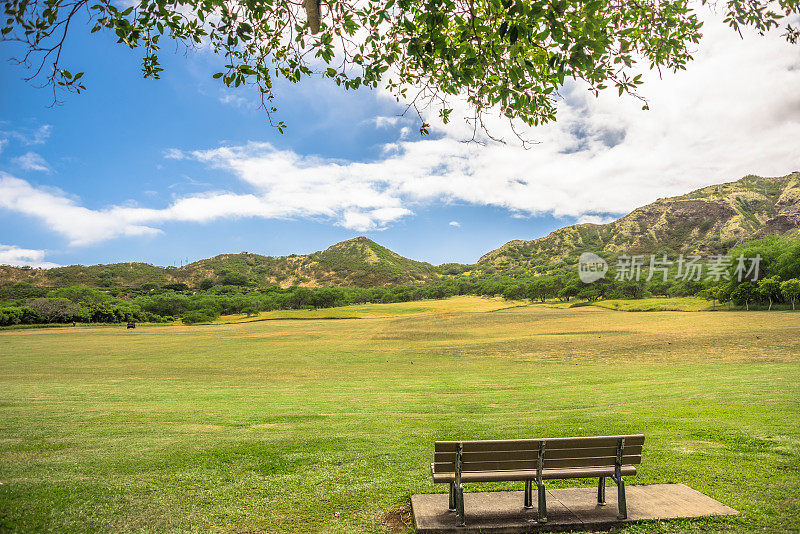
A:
x: 398, y: 520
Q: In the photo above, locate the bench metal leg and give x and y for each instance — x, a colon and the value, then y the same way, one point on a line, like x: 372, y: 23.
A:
x: 452, y: 504
x: 460, y: 506
x: 542, y: 502
x: 459, y: 490
x: 601, y: 491
x: 623, y: 506
x: 528, y: 494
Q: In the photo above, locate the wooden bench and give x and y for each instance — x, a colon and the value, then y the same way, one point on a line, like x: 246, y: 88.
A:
x: 537, y: 460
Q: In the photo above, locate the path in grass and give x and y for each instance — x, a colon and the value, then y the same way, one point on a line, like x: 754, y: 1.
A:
x: 321, y: 426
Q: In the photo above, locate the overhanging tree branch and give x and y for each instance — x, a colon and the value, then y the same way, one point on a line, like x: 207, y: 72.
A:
x: 510, y: 56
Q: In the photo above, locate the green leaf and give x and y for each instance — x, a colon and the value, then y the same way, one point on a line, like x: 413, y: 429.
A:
x: 512, y: 34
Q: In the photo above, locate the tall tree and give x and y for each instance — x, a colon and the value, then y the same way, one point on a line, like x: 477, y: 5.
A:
x: 769, y: 288
x: 512, y: 55
x: 744, y: 293
x: 791, y: 289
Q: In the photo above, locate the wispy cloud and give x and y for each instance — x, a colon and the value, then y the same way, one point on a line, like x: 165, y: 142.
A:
x: 24, y: 257
x: 455, y: 224
x: 31, y: 161
x: 596, y: 219
x: 174, y: 153
x: 236, y: 100
x: 386, y: 122
x: 28, y: 136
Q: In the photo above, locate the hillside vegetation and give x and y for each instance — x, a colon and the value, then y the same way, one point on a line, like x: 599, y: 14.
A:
x: 711, y: 220
x: 778, y: 287
x: 358, y: 262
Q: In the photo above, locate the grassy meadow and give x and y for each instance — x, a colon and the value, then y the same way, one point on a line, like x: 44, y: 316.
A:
x: 692, y: 304
x: 328, y: 425
x: 466, y: 304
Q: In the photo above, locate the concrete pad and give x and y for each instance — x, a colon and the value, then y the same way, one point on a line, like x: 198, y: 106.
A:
x: 502, y: 512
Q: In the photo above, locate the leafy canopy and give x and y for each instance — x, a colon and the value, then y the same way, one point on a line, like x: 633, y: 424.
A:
x: 512, y: 55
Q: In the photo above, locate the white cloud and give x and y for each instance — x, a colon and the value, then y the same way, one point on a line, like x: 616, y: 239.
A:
x: 455, y: 224
x: 60, y: 213
x: 31, y: 161
x: 734, y: 111
x: 24, y: 257
x: 359, y: 196
x: 28, y: 136
x: 356, y: 206
x: 236, y: 100
x: 707, y: 124
x: 386, y: 122
x: 390, y: 148
x: 174, y: 153
x: 3, y: 143
x: 40, y: 135
x: 596, y: 219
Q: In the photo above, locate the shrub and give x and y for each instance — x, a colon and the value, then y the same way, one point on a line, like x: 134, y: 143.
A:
x: 235, y: 279
x: 206, y: 283
x: 791, y: 290
x: 56, y: 310
x: 199, y: 316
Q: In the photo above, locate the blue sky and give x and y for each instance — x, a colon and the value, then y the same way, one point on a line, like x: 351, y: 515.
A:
x: 181, y: 168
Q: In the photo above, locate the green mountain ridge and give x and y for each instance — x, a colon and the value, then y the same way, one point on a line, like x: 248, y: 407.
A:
x: 355, y: 262
x: 710, y: 220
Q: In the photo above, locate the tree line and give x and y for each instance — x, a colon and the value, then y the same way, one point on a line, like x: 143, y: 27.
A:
x: 23, y: 303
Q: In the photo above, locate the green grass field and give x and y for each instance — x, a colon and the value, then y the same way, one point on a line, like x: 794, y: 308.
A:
x: 325, y: 426
x: 660, y: 304
x: 372, y: 311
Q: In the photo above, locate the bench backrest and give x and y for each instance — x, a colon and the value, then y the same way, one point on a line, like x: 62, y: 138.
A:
x: 518, y: 454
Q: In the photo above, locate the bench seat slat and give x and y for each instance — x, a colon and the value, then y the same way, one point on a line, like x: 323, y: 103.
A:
x: 530, y: 474
x: 531, y: 464
x: 533, y: 444
x: 501, y: 456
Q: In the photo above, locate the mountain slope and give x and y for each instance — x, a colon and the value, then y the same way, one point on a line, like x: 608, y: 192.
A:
x: 114, y: 274
x: 355, y: 262
x: 706, y: 221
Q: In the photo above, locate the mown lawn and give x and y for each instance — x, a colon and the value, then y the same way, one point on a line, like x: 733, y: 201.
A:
x: 324, y: 426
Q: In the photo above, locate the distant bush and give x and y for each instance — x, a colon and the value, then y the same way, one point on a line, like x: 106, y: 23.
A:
x: 19, y: 315
x: 56, y: 310
x: 22, y: 290
x: 199, y: 316
x: 234, y: 279
x: 80, y: 295
x: 207, y: 283
x: 179, y: 286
